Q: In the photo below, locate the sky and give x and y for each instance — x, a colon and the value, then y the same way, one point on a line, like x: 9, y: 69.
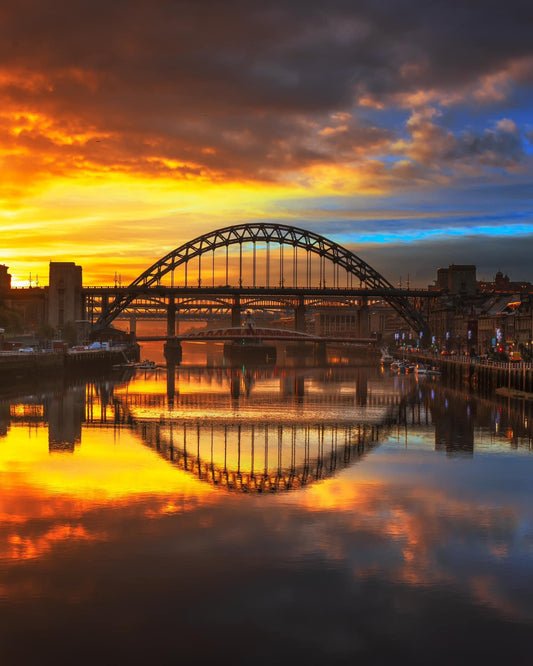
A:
x: 400, y: 129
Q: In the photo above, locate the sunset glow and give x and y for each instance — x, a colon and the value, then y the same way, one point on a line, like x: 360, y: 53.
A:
x: 124, y: 133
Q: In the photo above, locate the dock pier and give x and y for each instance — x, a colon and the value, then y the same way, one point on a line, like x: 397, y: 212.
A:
x: 483, y: 376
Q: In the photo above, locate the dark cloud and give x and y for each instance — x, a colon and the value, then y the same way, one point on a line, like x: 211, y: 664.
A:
x: 420, y: 259
x: 431, y: 144
x: 240, y: 89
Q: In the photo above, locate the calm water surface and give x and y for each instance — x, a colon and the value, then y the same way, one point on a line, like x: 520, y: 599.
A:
x: 317, y: 516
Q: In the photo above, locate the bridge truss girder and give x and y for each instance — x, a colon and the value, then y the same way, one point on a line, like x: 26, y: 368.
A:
x: 265, y: 233
x: 156, y: 309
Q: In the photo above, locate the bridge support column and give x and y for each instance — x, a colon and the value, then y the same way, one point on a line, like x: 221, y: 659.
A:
x: 363, y: 327
x: 173, y: 352
x: 236, y: 311
x: 105, y: 304
x: 171, y: 317
x: 299, y: 316
x: 133, y: 325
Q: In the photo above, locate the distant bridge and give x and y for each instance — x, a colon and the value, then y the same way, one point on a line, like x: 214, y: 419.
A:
x: 236, y: 268
x: 249, y: 333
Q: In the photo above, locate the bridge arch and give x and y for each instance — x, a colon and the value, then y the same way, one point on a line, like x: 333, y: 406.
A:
x: 258, y: 456
x: 260, y: 232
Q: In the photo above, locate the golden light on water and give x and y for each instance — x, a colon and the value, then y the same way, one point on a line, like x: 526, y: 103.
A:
x: 46, y: 497
x: 104, y: 467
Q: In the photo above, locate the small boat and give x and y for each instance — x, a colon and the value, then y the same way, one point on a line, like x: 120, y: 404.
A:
x: 386, y: 358
x: 146, y: 365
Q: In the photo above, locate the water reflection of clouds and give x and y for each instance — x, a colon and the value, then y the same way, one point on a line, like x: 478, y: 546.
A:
x: 428, y: 530
x: 406, y: 518
x: 365, y: 532
x: 49, y: 500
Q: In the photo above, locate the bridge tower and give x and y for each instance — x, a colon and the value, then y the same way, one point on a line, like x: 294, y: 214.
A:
x: 64, y: 293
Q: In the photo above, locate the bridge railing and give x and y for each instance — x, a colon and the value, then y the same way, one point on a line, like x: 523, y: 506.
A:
x: 469, y: 360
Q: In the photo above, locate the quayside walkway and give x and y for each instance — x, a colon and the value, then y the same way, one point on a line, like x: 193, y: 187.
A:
x: 37, y: 364
x: 486, y: 376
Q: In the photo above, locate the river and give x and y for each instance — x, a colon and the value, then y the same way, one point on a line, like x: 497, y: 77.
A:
x: 264, y: 516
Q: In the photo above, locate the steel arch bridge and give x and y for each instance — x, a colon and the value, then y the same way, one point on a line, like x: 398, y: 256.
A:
x: 315, y: 245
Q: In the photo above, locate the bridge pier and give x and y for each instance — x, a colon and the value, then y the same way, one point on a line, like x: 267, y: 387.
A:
x: 173, y: 352
x: 299, y: 351
x: 171, y: 317
x: 299, y: 316
x: 236, y: 311
x: 361, y: 388
x: 133, y: 324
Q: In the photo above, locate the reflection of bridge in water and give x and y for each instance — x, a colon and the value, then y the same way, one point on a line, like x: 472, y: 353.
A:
x: 305, y: 441
x: 285, y: 432
x: 241, y: 431
x: 217, y: 385
x: 261, y: 457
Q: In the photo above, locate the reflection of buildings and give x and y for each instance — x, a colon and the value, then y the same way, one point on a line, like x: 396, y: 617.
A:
x: 65, y: 413
x: 454, y: 424
x: 4, y: 419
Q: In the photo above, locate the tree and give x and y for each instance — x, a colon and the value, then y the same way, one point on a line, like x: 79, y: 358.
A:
x: 69, y: 333
x: 11, y: 320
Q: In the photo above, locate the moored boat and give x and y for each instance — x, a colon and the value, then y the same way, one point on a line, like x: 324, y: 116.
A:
x: 386, y: 357
x: 146, y: 365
